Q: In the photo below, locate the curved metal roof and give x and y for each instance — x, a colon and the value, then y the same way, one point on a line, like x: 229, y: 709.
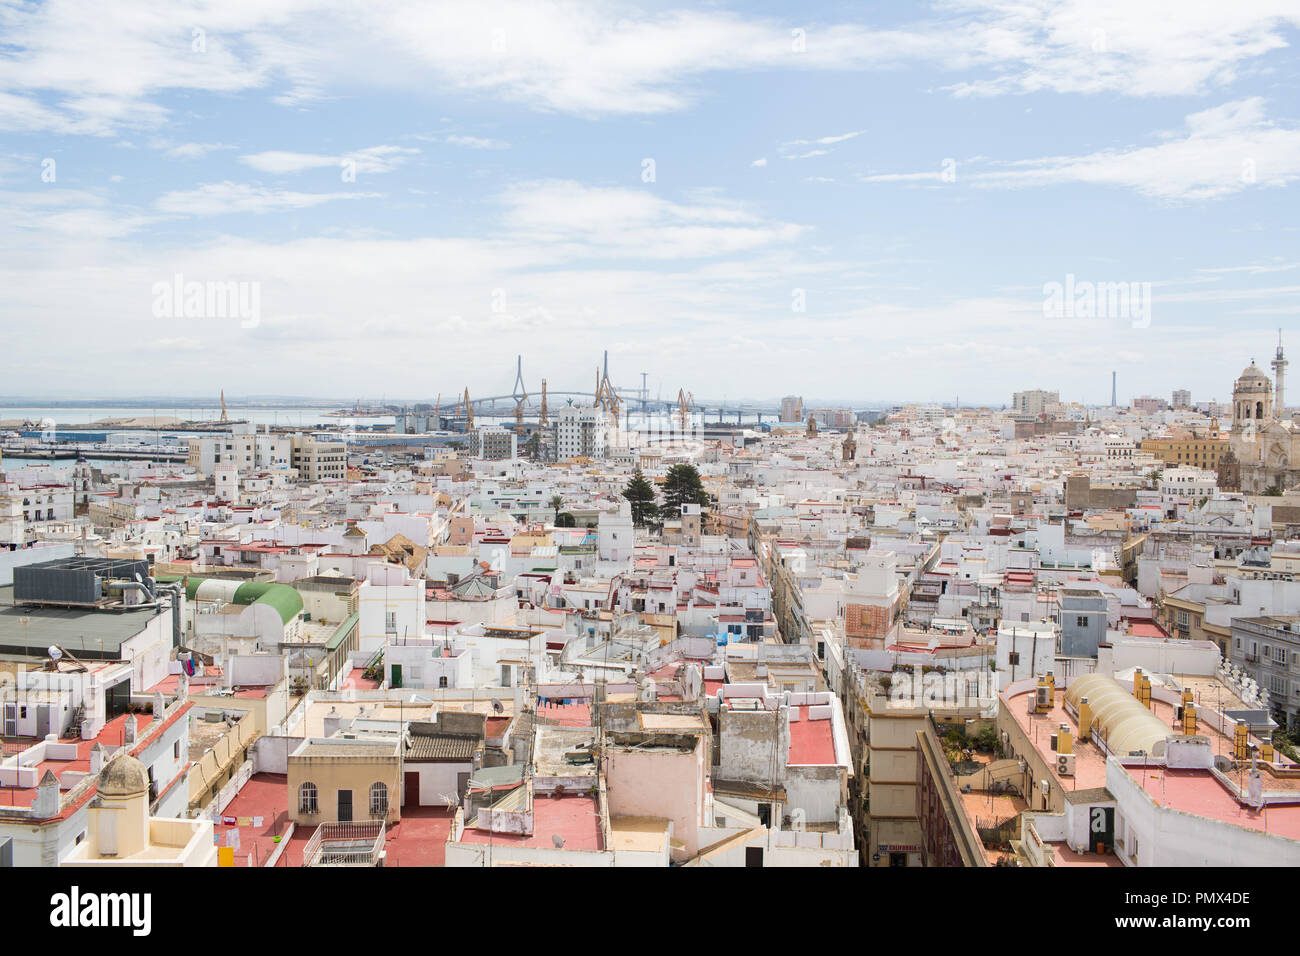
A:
x: 284, y: 599
x: 1119, y: 717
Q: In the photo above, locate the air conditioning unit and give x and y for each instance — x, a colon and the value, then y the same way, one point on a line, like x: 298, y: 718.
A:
x: 1065, y: 765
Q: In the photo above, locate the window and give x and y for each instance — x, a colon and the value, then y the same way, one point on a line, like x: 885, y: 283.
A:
x: 307, y: 798
x: 1081, y: 621
x: 176, y: 750
x: 378, y: 800
x: 390, y: 622
x: 442, y: 681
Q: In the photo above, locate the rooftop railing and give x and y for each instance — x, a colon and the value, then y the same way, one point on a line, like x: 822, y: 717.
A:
x: 345, y: 844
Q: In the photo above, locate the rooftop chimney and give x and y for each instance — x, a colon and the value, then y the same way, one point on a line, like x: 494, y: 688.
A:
x: 46, y: 803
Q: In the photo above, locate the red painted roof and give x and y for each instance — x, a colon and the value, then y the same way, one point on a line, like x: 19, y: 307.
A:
x: 1199, y: 792
x: 575, y: 818
x: 811, y: 741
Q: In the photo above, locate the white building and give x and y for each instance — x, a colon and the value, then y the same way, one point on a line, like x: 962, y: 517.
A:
x: 492, y: 442
x: 1024, y: 651
x: 244, y: 448
x: 1034, y: 402
x: 391, y: 606
x: 1188, y: 483
x: 427, y: 663
x: 616, y: 534
x: 580, y: 432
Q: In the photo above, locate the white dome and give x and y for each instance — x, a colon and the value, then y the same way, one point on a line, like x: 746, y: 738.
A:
x: 1252, y: 374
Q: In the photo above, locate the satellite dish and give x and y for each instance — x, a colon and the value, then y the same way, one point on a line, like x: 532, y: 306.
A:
x: 54, y: 651
x: 557, y: 841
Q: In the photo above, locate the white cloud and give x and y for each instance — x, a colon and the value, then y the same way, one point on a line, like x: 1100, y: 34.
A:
x: 69, y: 69
x: 474, y: 142
x: 215, y: 199
x: 194, y: 150
x: 279, y: 162
x: 1224, y: 150
x: 826, y: 140
x: 761, y: 161
x: 902, y: 177
x: 1256, y: 269
x: 614, y: 221
x: 1152, y: 48
x: 670, y: 302
x: 373, y: 159
x: 788, y: 151
x: 60, y: 215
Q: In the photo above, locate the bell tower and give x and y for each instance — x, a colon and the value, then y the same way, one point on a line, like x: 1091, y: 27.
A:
x: 1279, y: 376
x: 1252, y: 400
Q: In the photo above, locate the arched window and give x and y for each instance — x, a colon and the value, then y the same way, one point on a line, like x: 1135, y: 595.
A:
x: 378, y: 800
x: 307, y: 802
x: 442, y: 681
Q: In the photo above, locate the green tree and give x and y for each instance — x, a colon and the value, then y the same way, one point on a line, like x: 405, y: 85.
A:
x: 640, y: 494
x: 565, y: 520
x: 683, y: 487
x: 556, y: 503
x: 533, y: 447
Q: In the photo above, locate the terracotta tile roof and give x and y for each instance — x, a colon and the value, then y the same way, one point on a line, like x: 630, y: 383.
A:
x: 434, y: 747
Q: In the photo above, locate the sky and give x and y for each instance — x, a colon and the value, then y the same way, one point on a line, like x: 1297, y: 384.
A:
x: 860, y: 202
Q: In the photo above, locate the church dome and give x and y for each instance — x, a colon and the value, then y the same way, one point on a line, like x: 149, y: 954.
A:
x: 1252, y: 373
x: 123, y: 777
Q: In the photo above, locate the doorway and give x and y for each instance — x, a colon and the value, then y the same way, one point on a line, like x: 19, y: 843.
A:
x: 345, y: 806
x: 753, y: 856
x: 117, y: 699
x: 411, y: 790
